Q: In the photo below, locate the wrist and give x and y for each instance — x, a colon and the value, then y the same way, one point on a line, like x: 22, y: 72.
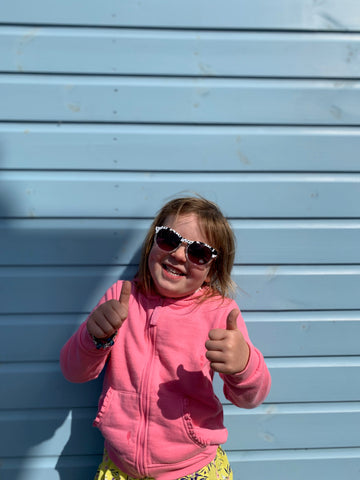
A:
x: 104, y: 343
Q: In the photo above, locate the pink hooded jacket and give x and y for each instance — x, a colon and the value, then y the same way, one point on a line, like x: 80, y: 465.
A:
x: 158, y: 412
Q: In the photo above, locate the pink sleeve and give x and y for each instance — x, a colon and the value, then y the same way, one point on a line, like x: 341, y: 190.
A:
x: 80, y: 360
x: 249, y: 388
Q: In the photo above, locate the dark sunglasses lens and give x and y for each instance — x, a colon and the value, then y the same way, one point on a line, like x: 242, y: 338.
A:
x: 199, y: 253
x: 167, y: 240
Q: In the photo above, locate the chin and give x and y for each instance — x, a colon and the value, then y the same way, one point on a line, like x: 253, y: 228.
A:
x: 168, y: 293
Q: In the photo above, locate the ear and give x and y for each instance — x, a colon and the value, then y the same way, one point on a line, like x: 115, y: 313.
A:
x: 209, y: 276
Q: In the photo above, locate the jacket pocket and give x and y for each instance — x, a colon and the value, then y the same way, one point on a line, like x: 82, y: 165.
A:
x: 203, y: 429
x: 104, y: 404
x: 118, y: 420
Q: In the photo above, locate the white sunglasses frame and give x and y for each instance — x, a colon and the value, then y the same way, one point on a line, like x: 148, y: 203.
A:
x: 213, y: 251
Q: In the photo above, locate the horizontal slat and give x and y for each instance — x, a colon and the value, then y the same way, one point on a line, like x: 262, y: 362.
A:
x: 50, y: 468
x: 311, y: 464
x: 297, y: 288
x: 30, y: 329
x: 48, y: 431
x: 276, y: 334
x: 193, y: 148
x: 314, y: 379
x: 151, y: 52
x: 77, y: 289
x: 311, y: 379
x: 258, y: 14
x: 281, y: 334
x: 56, y: 289
x: 267, y: 427
x: 179, y: 100
x: 116, y: 194
x: 273, y: 426
x: 42, y: 385
x: 71, y: 242
x: 114, y: 242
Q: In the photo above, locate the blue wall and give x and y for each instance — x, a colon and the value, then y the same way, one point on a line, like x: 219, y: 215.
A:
x: 107, y: 109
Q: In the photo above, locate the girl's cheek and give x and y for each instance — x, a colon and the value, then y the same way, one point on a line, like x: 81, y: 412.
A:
x: 155, y: 259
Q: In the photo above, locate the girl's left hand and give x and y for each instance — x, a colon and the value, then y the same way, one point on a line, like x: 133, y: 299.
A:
x: 227, y: 349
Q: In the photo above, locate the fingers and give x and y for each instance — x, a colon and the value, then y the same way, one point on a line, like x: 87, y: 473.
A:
x: 105, y: 320
x: 219, y: 343
x: 100, y: 330
x: 221, y: 361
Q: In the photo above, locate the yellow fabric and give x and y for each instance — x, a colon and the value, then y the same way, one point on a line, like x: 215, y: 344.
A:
x: 218, y: 469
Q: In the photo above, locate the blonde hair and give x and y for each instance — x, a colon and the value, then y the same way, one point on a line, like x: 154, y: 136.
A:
x: 218, y: 234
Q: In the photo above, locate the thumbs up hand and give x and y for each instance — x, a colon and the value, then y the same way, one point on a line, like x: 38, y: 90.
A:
x: 109, y: 316
x: 227, y: 349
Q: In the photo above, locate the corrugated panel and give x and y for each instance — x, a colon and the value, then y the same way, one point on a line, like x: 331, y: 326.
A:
x: 118, y: 241
x: 309, y: 379
x: 251, y: 103
x: 302, y: 463
x: 249, y: 14
x: 277, y: 334
x: 290, y: 334
x: 50, y: 468
x: 267, y: 428
x: 73, y: 289
x: 42, y: 422
x: 277, y: 195
x: 168, y: 52
x: 173, y: 148
x: 179, y: 100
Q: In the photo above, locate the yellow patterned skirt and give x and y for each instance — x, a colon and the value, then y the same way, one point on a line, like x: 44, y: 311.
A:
x: 218, y: 469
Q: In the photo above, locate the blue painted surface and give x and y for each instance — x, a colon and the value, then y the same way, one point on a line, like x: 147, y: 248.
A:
x: 109, y: 110
x: 132, y: 99
x: 328, y: 15
x: 98, y: 147
x: 201, y: 53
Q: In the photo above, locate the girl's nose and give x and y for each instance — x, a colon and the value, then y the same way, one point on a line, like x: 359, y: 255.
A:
x: 180, y: 253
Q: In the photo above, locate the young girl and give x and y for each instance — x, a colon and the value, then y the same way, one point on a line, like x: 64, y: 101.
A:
x: 161, y: 337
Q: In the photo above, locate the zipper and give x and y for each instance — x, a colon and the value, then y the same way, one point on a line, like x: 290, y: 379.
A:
x: 144, y: 395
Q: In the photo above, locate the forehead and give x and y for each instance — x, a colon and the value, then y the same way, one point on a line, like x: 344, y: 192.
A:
x: 189, y: 226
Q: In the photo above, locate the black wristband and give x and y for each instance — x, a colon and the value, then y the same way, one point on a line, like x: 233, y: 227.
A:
x: 103, y: 343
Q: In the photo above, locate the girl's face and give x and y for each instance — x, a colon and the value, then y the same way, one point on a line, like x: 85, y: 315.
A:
x: 172, y: 273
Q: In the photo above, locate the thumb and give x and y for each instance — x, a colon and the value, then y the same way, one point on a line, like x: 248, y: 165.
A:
x: 125, y: 294
x: 231, y: 323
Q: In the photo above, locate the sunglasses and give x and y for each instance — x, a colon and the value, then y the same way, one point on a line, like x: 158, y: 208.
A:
x: 169, y: 240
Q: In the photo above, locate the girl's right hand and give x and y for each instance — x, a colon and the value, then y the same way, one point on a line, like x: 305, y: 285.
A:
x: 109, y: 316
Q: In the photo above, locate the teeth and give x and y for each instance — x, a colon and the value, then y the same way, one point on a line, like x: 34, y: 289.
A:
x: 173, y: 271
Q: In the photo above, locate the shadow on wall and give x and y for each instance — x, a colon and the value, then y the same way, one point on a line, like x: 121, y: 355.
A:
x: 46, y: 430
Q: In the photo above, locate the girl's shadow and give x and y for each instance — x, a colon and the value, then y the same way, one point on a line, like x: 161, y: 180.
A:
x: 82, y: 452
x: 46, y: 422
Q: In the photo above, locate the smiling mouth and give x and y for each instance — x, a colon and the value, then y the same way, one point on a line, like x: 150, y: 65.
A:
x: 173, y: 271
